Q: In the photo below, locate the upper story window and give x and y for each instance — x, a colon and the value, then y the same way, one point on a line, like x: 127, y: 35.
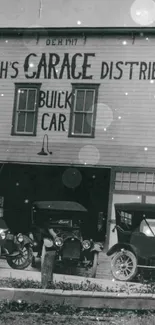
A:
x: 83, y: 112
x: 25, y: 109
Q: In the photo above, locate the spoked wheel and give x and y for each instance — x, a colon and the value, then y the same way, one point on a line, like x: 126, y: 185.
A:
x: 23, y: 260
x: 124, y: 266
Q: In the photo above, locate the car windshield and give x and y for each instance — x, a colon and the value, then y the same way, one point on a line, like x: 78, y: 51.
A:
x: 147, y: 227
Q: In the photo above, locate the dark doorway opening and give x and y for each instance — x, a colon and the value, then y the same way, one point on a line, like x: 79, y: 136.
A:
x: 21, y: 185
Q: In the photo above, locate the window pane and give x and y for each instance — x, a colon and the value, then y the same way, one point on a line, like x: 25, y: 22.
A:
x: 134, y: 177
x: 118, y: 186
x: 31, y: 99
x: 125, y: 186
x: 87, y: 123
x: 89, y: 100
x: 126, y: 177
x: 149, y: 187
x: 79, y: 100
x: 118, y: 176
x: 21, y: 122
x: 141, y: 186
x: 141, y: 177
x: 133, y: 187
x: 30, y: 122
x: 78, y: 123
x: 149, y: 178
x: 22, y: 99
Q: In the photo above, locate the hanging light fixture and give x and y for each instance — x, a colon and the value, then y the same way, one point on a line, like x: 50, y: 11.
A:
x: 43, y: 152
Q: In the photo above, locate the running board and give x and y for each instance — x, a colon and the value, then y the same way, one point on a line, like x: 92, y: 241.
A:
x: 146, y: 267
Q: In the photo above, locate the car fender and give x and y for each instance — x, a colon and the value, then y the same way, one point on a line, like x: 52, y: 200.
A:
x: 27, y: 240
x: 48, y: 242
x: 118, y: 247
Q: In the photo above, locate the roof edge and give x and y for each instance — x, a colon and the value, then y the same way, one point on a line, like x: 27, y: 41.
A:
x: 76, y: 30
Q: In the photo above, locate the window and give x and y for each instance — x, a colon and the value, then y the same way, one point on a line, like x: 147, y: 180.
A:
x: 25, y: 109
x: 132, y: 181
x: 83, y: 111
x: 126, y: 218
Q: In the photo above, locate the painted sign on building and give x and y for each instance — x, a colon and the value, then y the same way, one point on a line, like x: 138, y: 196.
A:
x: 88, y: 91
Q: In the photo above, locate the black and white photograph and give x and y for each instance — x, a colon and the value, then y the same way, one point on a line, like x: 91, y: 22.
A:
x: 77, y: 162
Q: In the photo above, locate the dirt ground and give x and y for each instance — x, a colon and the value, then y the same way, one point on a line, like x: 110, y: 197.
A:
x: 47, y: 319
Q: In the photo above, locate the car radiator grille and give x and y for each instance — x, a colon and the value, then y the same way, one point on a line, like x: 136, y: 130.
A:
x: 71, y: 249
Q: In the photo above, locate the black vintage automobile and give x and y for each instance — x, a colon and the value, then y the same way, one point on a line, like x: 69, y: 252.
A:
x: 59, y: 226
x: 135, y: 250
x: 15, y: 248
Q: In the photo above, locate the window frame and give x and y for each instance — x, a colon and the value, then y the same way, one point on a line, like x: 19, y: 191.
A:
x: 135, y: 178
x: 18, y: 86
x: 83, y: 86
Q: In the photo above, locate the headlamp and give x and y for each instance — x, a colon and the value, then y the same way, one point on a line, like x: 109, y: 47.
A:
x: 86, y: 244
x: 58, y: 241
x: 20, y: 238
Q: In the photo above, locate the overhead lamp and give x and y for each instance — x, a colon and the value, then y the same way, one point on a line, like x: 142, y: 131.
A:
x: 43, y: 152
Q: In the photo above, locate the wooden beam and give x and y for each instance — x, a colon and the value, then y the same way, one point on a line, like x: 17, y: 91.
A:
x: 47, y: 267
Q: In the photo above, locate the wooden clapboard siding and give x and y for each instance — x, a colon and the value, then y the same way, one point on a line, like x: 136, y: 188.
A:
x: 124, y: 140
x: 21, y: 151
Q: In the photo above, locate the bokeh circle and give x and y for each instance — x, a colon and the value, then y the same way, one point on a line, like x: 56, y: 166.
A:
x: 104, y: 116
x: 143, y: 12
x: 71, y: 178
x: 89, y: 154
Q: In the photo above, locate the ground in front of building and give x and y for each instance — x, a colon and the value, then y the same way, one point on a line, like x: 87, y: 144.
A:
x: 103, y: 269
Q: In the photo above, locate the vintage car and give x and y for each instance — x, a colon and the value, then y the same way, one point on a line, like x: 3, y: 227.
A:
x: 58, y: 226
x: 135, y: 249
x: 15, y: 248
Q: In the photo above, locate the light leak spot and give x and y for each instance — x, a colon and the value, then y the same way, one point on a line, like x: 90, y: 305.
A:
x: 89, y: 155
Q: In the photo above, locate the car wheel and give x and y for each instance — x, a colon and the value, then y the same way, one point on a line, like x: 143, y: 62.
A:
x: 21, y: 261
x: 124, y: 265
x: 94, y: 266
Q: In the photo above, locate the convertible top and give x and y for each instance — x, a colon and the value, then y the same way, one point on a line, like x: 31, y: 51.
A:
x: 59, y: 205
x: 132, y: 207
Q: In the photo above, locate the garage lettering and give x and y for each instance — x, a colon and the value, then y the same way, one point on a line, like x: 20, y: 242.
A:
x: 52, y: 66
x: 53, y: 122
x: 8, y: 69
x: 133, y: 69
x: 55, y: 99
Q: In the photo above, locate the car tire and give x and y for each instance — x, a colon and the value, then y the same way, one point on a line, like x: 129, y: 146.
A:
x: 12, y: 260
x: 124, y: 265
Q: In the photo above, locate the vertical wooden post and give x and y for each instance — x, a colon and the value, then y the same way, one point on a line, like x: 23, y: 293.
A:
x: 47, y: 267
